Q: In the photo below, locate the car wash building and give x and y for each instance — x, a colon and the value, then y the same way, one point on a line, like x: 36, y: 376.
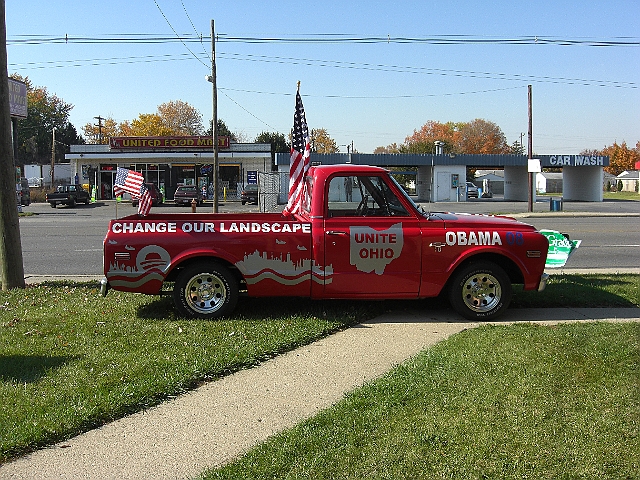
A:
x: 441, y: 178
x: 170, y: 161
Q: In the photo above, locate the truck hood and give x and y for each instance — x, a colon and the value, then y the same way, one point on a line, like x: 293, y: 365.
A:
x: 478, y: 221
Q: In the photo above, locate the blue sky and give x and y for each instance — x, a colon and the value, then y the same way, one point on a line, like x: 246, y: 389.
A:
x: 371, y: 94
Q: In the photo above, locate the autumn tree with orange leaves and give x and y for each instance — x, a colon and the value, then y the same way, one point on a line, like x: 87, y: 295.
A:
x: 172, y: 118
x: 621, y: 157
x: 477, y: 136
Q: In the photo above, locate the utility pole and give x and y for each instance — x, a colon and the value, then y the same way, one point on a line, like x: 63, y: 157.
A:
x: 53, y: 155
x: 11, y: 267
x: 215, y: 118
x: 99, y: 118
x: 530, y: 154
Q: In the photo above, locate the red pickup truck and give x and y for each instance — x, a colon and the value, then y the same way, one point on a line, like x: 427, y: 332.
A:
x: 359, y: 236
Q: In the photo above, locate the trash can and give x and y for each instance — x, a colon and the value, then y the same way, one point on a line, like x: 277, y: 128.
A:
x: 555, y: 204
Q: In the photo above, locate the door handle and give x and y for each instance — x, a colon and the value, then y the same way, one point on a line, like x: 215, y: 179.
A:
x: 336, y: 232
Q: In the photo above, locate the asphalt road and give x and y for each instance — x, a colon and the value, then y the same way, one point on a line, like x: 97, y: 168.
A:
x: 68, y: 241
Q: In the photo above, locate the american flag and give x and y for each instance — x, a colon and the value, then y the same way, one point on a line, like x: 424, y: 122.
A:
x: 299, y: 162
x: 132, y: 182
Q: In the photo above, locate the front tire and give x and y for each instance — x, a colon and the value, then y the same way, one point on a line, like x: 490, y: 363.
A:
x: 480, y: 291
x: 205, y: 291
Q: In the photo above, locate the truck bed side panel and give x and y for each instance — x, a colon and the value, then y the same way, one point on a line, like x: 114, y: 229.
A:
x: 272, y: 253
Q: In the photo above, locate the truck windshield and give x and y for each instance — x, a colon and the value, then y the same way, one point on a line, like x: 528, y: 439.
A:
x: 406, y: 195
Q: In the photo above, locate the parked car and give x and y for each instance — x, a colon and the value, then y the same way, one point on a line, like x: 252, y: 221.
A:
x: 24, y: 194
x: 156, y: 196
x: 186, y: 193
x: 249, y: 194
x: 472, y: 190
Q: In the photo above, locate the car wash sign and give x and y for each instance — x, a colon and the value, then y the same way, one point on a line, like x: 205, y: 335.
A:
x: 573, y: 160
x: 17, y: 98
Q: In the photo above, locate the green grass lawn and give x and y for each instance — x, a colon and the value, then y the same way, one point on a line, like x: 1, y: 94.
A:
x: 621, y: 196
x: 521, y: 401
x: 71, y: 360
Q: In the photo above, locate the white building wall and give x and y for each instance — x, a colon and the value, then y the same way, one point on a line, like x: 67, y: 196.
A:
x: 423, y: 184
x: 582, y: 183
x: 437, y: 186
x: 516, y: 184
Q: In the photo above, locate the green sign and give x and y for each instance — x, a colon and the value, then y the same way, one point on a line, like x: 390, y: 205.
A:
x: 560, y: 248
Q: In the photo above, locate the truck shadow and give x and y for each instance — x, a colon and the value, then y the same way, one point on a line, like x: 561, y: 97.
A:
x: 28, y: 368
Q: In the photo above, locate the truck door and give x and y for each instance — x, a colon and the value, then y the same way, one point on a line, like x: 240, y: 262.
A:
x: 372, y: 243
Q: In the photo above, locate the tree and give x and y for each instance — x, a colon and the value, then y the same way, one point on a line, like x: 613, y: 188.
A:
x: 482, y: 137
x: 423, y: 140
x: 478, y: 136
x: 181, y: 118
x: 150, y: 125
x: 45, y: 112
x: 97, y: 133
x: 173, y: 118
x: 393, y: 148
x: 321, y: 142
x: 516, y: 148
x: 277, y: 140
x: 223, y: 131
x: 621, y: 157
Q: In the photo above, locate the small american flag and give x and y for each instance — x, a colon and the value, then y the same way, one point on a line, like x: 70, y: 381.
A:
x: 299, y: 162
x: 132, y: 182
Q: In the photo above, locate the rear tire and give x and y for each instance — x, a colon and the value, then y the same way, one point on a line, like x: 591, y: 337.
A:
x: 205, y: 291
x: 480, y: 291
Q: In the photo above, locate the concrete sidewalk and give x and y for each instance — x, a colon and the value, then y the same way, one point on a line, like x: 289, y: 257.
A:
x: 222, y: 419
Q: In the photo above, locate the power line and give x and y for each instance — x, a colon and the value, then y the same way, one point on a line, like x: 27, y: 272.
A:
x: 332, y: 64
x: 195, y: 30
x: 93, y: 62
x: 259, y: 119
x: 428, y: 71
x: 132, y: 38
x: 178, y: 36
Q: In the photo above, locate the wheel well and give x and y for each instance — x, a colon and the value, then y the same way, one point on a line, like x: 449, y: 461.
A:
x: 173, y: 274
x: 509, y: 266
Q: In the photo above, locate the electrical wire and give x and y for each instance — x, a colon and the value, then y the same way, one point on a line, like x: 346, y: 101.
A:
x: 178, y: 36
x: 195, y: 30
x: 132, y: 38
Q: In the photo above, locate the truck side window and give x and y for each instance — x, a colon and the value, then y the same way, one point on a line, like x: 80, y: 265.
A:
x: 362, y: 197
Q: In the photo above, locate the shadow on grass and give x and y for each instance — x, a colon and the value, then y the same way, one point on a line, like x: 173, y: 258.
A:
x: 582, y: 291
x: 28, y: 368
x: 577, y: 291
x: 264, y: 308
x: 92, y: 284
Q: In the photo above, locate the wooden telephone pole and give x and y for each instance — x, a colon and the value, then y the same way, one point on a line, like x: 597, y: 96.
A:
x: 11, y: 268
x: 215, y: 119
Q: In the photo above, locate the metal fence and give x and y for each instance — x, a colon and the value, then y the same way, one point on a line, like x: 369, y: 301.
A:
x: 272, y: 190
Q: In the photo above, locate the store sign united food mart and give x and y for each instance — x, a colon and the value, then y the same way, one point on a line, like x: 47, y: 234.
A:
x: 145, y: 143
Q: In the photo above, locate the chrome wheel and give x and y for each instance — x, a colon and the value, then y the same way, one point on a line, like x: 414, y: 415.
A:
x: 481, y: 292
x: 205, y: 293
